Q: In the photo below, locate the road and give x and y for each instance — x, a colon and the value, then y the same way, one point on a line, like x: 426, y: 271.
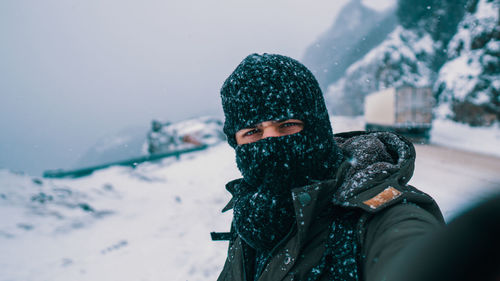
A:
x: 456, y: 179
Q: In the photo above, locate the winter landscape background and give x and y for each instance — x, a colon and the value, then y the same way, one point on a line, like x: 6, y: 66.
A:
x: 85, y: 92
x: 152, y: 222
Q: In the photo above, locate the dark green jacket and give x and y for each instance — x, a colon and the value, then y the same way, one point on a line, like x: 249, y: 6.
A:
x: 391, y: 214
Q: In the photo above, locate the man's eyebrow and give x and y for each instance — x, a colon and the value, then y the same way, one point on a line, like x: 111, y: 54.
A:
x: 256, y: 125
x: 249, y: 127
x: 291, y: 120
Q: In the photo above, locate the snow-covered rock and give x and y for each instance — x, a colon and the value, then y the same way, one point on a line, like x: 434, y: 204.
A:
x: 133, y: 142
x: 167, y: 137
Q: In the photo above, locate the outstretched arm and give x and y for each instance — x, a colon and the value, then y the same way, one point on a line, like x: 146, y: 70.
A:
x: 388, y: 236
x: 467, y: 249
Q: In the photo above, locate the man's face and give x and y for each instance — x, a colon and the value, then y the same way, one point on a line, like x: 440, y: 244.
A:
x: 268, y: 129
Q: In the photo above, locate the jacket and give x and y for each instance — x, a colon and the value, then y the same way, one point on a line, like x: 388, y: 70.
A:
x: 375, y: 216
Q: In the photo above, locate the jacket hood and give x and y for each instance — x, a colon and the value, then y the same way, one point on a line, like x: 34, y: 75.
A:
x: 371, y: 158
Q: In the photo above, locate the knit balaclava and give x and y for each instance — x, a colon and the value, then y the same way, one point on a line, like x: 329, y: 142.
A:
x: 274, y: 87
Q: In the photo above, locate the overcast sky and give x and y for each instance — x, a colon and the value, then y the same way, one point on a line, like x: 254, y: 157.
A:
x: 73, y: 71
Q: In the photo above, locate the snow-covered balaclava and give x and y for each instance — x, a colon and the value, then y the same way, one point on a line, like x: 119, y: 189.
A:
x: 274, y: 87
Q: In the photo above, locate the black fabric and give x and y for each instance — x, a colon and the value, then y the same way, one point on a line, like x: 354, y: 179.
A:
x: 261, y: 259
x: 373, y: 157
x: 274, y: 87
x: 263, y: 216
x: 365, y: 150
x: 340, y: 259
x: 287, y: 161
x: 221, y: 236
x: 468, y: 249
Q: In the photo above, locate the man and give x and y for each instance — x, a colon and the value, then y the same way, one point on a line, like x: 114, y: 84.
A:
x: 311, y: 205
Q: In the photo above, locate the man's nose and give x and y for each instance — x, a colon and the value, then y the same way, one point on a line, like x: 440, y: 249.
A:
x: 270, y: 132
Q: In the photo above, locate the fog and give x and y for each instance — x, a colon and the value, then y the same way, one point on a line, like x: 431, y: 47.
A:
x: 74, y: 71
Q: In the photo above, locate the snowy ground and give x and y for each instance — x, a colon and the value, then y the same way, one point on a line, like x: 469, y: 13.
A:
x: 460, y: 136
x: 153, y: 222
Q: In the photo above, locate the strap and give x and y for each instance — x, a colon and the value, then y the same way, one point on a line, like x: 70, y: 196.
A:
x: 221, y: 236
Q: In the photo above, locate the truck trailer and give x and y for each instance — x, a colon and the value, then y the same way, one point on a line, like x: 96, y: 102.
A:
x: 405, y: 110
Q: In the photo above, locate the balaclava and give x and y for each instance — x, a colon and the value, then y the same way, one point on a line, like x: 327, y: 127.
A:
x: 274, y: 87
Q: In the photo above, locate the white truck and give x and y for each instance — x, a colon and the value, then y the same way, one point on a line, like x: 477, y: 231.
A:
x: 406, y: 110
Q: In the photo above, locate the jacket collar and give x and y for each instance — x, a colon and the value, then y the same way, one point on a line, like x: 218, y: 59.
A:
x: 309, y: 202
x: 392, y: 158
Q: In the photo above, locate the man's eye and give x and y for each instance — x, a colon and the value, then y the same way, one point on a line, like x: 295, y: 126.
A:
x: 251, y: 132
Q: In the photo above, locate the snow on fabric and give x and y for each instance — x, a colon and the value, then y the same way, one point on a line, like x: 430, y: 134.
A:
x: 370, y: 159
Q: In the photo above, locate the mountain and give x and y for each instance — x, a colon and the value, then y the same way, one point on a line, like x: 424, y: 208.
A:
x: 451, y: 46
x: 402, y: 59
x: 350, y: 37
x: 125, y: 144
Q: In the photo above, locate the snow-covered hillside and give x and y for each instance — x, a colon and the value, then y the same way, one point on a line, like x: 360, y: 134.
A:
x: 153, y: 222
x: 148, y: 223
x: 399, y: 60
x: 468, y: 84
x: 348, y: 39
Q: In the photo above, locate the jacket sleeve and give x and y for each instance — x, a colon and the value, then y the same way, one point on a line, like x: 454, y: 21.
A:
x: 389, y: 233
x: 467, y: 249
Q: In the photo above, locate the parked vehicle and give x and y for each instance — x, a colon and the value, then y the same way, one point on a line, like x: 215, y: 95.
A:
x: 406, y: 110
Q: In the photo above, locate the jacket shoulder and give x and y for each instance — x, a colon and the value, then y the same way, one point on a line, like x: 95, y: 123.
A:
x: 387, y: 194
x: 391, y: 231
